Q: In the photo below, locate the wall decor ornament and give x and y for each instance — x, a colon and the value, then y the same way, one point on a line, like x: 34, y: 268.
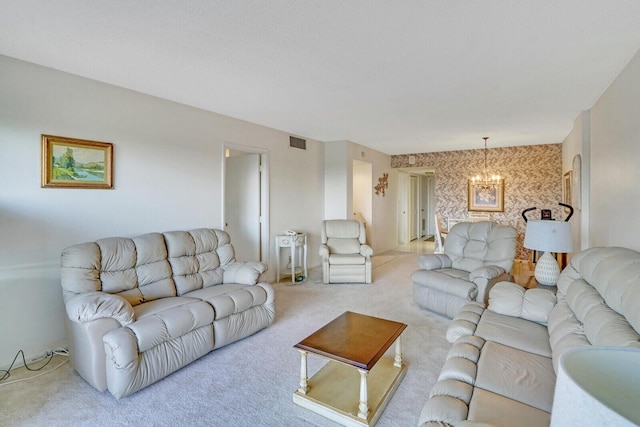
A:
x: 382, y: 184
x: 76, y: 163
x: 485, y: 199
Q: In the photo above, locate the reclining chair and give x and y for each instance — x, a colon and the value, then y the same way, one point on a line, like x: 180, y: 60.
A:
x: 346, y: 258
x: 476, y: 256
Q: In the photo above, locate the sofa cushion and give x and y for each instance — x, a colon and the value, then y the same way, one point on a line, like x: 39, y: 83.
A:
x: 233, y: 298
x: 159, y: 305
x: 155, y: 329
x: 514, y: 332
x: 519, y: 375
x: 346, y: 259
x: 513, y: 300
x: 497, y: 410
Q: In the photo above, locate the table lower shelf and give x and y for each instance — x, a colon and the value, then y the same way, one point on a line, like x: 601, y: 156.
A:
x: 334, y: 391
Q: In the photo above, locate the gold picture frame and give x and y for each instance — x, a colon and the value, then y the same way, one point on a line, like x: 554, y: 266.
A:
x: 76, y: 163
x: 485, y: 199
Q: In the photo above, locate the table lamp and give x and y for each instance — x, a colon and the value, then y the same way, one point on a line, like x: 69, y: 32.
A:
x: 547, y: 237
x: 597, y: 386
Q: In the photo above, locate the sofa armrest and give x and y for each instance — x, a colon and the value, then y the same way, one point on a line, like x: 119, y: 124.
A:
x: 90, y: 306
x: 513, y: 300
x: 324, y: 250
x: 434, y: 261
x: 465, y: 321
x: 366, y: 251
x: 243, y: 273
x: 487, y: 272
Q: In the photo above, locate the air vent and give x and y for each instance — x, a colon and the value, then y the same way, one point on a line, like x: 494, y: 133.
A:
x: 297, y: 143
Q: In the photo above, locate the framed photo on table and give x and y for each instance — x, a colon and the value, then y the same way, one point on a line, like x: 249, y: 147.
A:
x: 76, y: 163
x: 486, y: 198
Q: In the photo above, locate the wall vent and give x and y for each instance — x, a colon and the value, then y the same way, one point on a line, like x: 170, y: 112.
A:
x: 297, y: 143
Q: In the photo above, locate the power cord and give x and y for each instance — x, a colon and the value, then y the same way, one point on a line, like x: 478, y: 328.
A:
x: 49, y: 357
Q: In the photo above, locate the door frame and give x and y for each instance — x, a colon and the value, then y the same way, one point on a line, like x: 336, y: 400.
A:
x: 264, y: 192
x: 404, y: 199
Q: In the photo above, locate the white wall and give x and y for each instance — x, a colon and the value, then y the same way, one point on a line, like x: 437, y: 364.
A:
x: 362, y: 194
x: 382, y: 232
x: 336, y: 181
x: 167, y: 175
x: 577, y: 143
x: 615, y: 160
x: 608, y: 138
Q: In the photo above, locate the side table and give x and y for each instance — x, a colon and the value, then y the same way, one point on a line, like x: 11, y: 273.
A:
x: 298, y: 246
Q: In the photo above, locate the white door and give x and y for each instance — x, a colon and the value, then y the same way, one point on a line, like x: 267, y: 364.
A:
x: 403, y: 207
x: 242, y: 205
x: 424, y: 207
x: 413, y: 208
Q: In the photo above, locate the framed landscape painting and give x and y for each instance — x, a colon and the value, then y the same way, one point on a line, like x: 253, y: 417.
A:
x: 486, y: 199
x: 76, y: 163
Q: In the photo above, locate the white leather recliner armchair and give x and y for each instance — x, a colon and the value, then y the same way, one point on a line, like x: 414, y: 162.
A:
x: 346, y: 258
x: 477, y: 255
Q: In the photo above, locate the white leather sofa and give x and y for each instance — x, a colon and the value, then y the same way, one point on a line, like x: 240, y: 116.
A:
x: 140, y: 308
x: 477, y: 255
x: 501, y: 368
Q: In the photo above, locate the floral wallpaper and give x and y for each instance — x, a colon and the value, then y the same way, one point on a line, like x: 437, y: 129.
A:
x: 532, y: 178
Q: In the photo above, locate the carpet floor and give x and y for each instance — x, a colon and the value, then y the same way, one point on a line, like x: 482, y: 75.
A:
x: 251, y: 382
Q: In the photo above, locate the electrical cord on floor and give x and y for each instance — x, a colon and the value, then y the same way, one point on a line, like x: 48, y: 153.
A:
x: 49, y: 357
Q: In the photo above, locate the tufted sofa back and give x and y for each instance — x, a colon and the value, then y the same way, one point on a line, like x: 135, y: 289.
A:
x: 147, y: 267
x: 472, y: 245
x: 598, y: 299
x: 343, y: 236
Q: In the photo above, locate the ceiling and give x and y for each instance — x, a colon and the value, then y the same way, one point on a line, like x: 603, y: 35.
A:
x: 397, y: 76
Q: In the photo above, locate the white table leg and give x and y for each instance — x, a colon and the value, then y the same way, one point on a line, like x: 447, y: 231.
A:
x: 397, y: 361
x: 363, y: 408
x: 304, y: 388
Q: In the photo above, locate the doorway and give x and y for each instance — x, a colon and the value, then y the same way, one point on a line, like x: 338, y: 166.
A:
x: 245, y: 201
x: 362, y: 195
x: 416, y: 204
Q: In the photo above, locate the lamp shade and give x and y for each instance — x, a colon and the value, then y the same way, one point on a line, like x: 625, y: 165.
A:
x: 597, y: 386
x: 548, y: 236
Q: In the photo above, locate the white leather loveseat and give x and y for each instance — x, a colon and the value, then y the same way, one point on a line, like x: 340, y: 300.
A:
x: 501, y: 368
x: 140, y: 308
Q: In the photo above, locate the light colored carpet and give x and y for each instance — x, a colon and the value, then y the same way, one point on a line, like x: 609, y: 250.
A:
x: 378, y: 260
x: 251, y: 382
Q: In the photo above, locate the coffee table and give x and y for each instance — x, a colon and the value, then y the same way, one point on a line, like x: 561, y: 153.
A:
x: 354, y: 387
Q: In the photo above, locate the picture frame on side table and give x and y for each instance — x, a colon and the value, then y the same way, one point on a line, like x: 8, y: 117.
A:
x: 76, y: 163
x: 485, y: 199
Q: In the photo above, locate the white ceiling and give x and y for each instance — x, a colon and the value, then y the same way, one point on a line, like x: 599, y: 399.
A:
x: 400, y: 76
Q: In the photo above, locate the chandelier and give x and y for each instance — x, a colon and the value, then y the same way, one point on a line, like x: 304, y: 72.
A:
x: 485, y: 180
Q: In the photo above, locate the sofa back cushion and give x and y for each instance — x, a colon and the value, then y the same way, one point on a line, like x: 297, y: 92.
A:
x: 598, y: 299
x: 147, y: 267
x: 472, y: 245
x: 343, y: 236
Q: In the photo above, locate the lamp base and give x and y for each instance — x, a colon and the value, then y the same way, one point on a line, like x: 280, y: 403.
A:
x: 547, y: 270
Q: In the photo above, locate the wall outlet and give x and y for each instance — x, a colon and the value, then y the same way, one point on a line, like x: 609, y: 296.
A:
x: 45, y: 354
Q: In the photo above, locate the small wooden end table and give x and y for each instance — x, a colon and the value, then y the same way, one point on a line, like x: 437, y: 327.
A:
x: 354, y: 387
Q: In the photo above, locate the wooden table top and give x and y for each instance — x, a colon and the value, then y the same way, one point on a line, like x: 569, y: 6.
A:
x: 355, y: 339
